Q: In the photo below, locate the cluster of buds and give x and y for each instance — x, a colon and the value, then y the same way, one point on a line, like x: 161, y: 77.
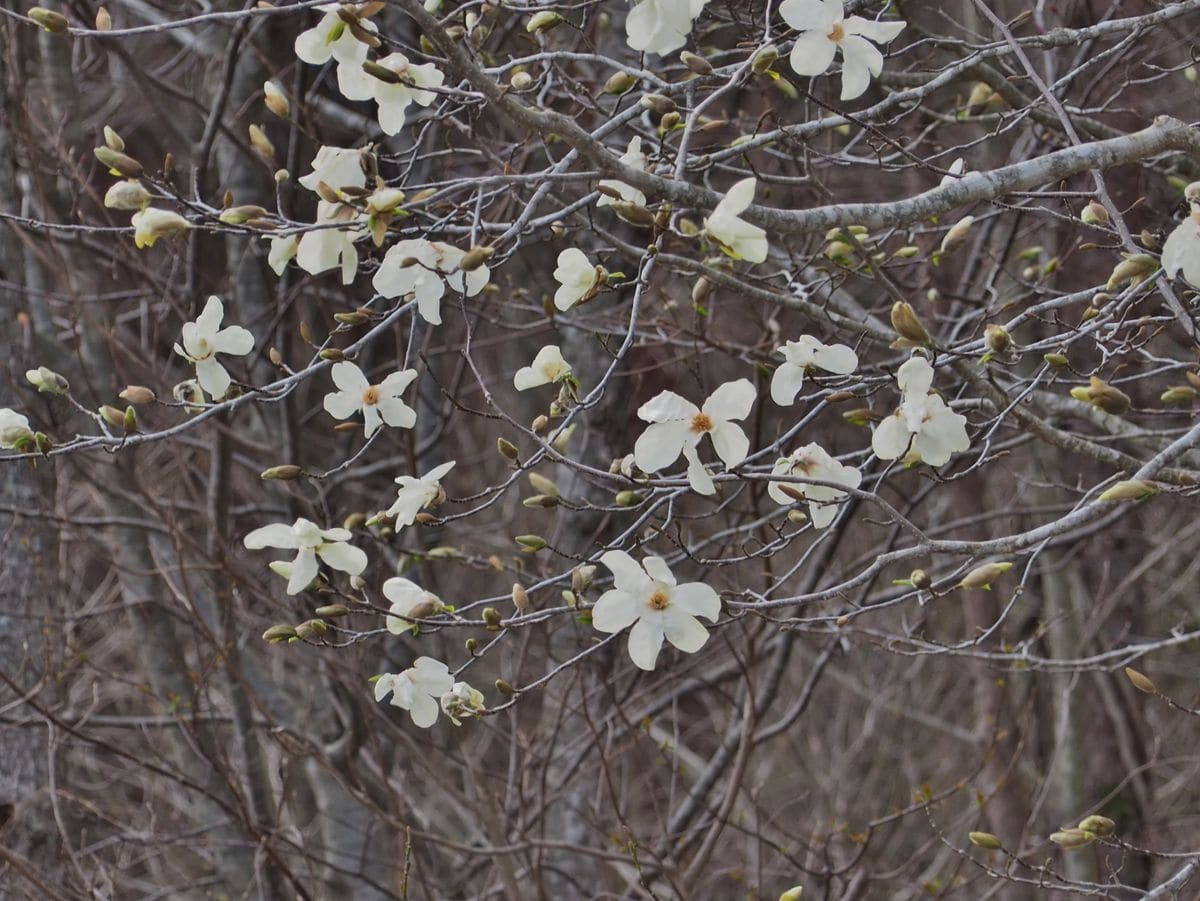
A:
x: 1088, y: 830
x: 1100, y: 394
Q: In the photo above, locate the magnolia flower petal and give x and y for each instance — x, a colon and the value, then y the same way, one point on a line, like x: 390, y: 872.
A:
x: 397, y: 382
x: 528, y: 377
x: 371, y: 419
x: 860, y: 60
x: 276, y: 534
x: 396, y: 413
x: 628, y: 576
x: 879, y: 32
x: 697, y: 599
x: 645, y: 641
x: 915, y: 377
x: 730, y: 443
x: 348, y: 377
x: 812, y: 53
x: 836, y: 358
x: 786, y: 383
x: 423, y: 710
x: 311, y: 46
x: 683, y: 630
x: 811, y: 15
x: 891, y: 437
x: 667, y: 406
x: 731, y: 400
x: 698, y: 476
x: 657, y: 569
x: 342, y: 404
x: 304, y: 570
x: 212, y: 377
x: 344, y: 557
x: 210, y: 317
x: 615, y: 610
x: 234, y: 340
x: 661, y: 443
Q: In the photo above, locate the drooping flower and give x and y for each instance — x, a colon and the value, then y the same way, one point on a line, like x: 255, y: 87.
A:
x: 423, y: 269
x: 825, y: 30
x: 648, y: 598
x: 547, y: 367
x: 660, y: 26
x: 14, y: 428
x: 379, y: 404
x: 408, y: 600
x: 813, y: 462
x: 418, y: 689
x: 204, y: 339
x: 328, y: 248
x: 737, y: 238
x: 934, y: 431
x: 635, y: 159
x: 338, y: 167
x: 1181, y: 250
x: 577, y: 279
x: 462, y: 701
x: 150, y: 224
x: 677, y: 425
x: 804, y: 354
x: 415, y: 494
x: 412, y: 87
x: 309, y: 541
x: 331, y: 38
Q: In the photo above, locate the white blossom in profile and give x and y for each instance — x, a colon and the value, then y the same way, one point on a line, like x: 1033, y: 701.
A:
x: 310, y: 542
x: 660, y: 26
x: 412, y: 87
x: 204, y: 339
x: 548, y: 367
x: 415, y: 494
x: 736, y: 237
x: 332, y: 247
x: 14, y: 429
x: 423, y: 269
x: 330, y: 39
x: 462, y: 701
x: 648, y: 598
x: 338, y: 167
x: 409, y: 601
x: 577, y: 279
x: 635, y: 159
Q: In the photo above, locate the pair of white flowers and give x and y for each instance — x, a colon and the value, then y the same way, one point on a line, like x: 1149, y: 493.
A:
x: 425, y: 687
x: 204, y: 339
x: 332, y: 38
x: 923, y: 426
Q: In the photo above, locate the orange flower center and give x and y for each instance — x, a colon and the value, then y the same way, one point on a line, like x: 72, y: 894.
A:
x: 659, y: 600
x: 837, y: 34
x: 371, y: 396
x: 701, y: 423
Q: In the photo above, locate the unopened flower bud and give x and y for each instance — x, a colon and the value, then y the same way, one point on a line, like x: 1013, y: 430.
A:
x: 521, y: 81
x: 136, y: 394
x: 1058, y: 361
x: 103, y: 20
x: 279, y: 633
x: 505, y: 688
x: 539, y: 424
x: 669, y: 121
x: 261, y: 143
x: 697, y: 64
x: 541, y: 500
x: 507, y: 449
x: 531, y: 543
x: 520, y: 596
x: 985, y: 840
x: 908, y: 325
x: 764, y: 58
x: 113, y: 416
x: 47, y: 381
x: 472, y: 645
x: 997, y: 338
x: 311, y: 628
x: 55, y: 23
x: 628, y: 499
x: 1140, y: 681
x: 633, y: 213
x: 983, y: 576
x: 1106, y: 397
x: 1094, y: 214
x: 540, y: 23
x: 283, y: 473
x: 860, y: 416
x: 239, y: 215
x: 126, y: 195
x: 476, y: 257
x: 129, y: 421
x: 118, y: 163
x: 1179, y: 394
x: 1134, y: 269
x: 956, y: 235
x: 492, y: 619
x: 1099, y: 826
x: 354, y: 318
x: 658, y: 103
x: 275, y: 100
x: 1131, y: 490
x: 1071, y: 839
x: 920, y: 579
x: 332, y: 353
x: 619, y: 83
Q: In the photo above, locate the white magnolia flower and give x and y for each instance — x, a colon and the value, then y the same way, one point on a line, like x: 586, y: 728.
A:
x: 922, y: 420
x: 150, y: 224
x: 811, y: 461
x: 462, y: 700
x: 394, y: 99
x: 678, y: 425
x: 331, y: 38
x: 660, y: 26
x: 804, y: 354
x: 577, y: 278
x: 548, y: 367
x: 953, y: 174
x: 408, y: 600
x: 13, y: 428
x: 414, y: 494
x: 379, y: 404
x: 825, y: 31
x: 739, y: 239
x: 417, y: 689
x: 309, y: 541
x: 204, y: 339
x: 282, y: 250
x: 328, y: 248
x: 635, y: 159
x: 1181, y: 250
x: 338, y: 167
x: 127, y: 195
x: 648, y: 598
x: 423, y: 269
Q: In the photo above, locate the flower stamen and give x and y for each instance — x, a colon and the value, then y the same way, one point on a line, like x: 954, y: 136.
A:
x: 659, y: 600
x: 701, y: 423
x: 371, y: 395
x: 837, y: 33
